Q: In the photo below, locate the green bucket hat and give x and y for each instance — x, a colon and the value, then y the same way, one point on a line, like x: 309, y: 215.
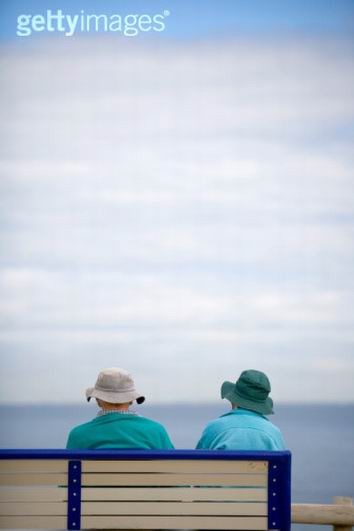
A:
x: 250, y: 392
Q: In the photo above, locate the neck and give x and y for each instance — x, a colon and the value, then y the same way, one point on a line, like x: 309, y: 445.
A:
x: 108, y: 406
x: 116, y: 407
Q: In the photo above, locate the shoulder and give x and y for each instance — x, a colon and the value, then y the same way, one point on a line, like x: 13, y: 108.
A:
x: 78, y: 433
x: 211, y: 430
x: 269, y: 432
x: 273, y: 427
x: 225, y: 421
x: 156, y: 432
x: 83, y: 427
x: 276, y: 435
x: 152, y: 424
x: 220, y: 423
x: 262, y: 423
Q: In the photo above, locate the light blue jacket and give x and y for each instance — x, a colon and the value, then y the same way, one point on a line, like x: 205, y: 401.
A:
x: 241, y: 429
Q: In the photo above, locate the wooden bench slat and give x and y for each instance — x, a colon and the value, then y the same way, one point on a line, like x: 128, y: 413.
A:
x: 172, y: 508
x: 176, y: 522
x: 33, y: 508
x: 27, y: 494
x: 8, y: 466
x: 33, y: 522
x: 33, y: 479
x: 181, y: 466
x: 246, y: 480
x: 174, y: 494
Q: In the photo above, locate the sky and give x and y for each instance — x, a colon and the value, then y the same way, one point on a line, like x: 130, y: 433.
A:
x: 181, y: 204
x: 192, y: 19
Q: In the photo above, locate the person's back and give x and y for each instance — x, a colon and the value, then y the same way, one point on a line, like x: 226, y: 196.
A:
x: 119, y: 430
x: 116, y: 426
x: 245, y: 427
x: 241, y: 429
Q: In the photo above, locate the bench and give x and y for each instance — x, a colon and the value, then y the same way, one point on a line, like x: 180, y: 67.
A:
x: 144, y: 489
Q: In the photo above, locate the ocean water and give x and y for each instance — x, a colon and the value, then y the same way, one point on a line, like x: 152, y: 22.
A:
x: 320, y: 437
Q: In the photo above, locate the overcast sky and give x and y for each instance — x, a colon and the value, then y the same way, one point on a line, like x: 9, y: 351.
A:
x: 180, y: 208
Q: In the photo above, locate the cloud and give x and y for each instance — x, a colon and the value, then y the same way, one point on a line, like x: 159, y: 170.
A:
x: 164, y: 204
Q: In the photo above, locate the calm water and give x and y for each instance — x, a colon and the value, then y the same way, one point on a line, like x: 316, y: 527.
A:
x: 321, y: 438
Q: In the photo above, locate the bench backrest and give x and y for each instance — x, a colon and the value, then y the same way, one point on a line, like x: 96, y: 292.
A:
x: 123, y: 489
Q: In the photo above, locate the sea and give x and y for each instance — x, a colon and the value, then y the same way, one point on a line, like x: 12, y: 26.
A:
x: 320, y: 437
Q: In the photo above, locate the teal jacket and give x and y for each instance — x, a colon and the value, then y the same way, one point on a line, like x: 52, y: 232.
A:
x: 117, y: 430
x: 241, y: 429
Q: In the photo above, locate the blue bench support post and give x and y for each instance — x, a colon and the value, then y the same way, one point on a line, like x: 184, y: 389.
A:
x: 74, y: 495
x: 279, y: 493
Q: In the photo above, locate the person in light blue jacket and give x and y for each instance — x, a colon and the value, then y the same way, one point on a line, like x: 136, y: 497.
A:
x: 246, y: 426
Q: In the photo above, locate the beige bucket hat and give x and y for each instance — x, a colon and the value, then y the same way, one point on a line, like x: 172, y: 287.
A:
x: 116, y: 386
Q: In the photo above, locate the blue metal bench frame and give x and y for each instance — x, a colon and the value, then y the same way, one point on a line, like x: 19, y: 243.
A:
x: 279, y: 474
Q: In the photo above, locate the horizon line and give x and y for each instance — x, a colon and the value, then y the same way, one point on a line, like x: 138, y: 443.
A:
x: 180, y: 403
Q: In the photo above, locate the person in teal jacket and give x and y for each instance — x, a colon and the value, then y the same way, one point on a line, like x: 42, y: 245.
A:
x: 246, y: 426
x: 116, y: 425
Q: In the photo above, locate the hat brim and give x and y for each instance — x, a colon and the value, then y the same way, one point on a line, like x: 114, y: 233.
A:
x: 114, y: 398
x: 228, y: 391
